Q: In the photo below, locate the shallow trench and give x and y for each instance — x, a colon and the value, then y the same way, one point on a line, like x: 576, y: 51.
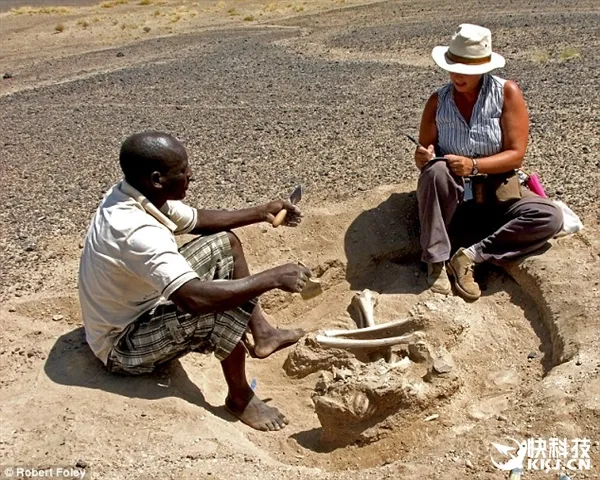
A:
x: 499, y: 349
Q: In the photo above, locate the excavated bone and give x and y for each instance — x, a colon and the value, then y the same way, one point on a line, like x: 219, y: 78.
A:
x: 361, y: 331
x: 401, y: 365
x: 335, y: 342
x: 364, y: 302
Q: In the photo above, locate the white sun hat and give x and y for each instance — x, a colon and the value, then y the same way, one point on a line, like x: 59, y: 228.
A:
x: 469, y: 53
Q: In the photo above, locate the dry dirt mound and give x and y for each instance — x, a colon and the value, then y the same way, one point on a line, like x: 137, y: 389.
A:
x: 522, y: 362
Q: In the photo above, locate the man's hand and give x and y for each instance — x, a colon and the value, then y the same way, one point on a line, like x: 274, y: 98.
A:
x: 293, y: 217
x: 460, y: 166
x: 291, y: 277
x: 423, y: 155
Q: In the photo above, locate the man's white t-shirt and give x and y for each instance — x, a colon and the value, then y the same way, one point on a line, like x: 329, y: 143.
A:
x: 130, y: 262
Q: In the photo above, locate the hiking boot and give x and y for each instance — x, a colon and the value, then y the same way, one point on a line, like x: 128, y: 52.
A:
x: 461, y: 268
x: 437, y: 278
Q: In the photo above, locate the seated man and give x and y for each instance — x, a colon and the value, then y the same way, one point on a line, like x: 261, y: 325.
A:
x: 144, y: 302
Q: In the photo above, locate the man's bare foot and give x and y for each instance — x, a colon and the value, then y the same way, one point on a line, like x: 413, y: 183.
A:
x: 276, y: 340
x: 256, y: 414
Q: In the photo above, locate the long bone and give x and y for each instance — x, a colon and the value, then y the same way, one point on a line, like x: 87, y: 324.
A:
x: 335, y: 342
x: 357, y: 332
x: 364, y: 302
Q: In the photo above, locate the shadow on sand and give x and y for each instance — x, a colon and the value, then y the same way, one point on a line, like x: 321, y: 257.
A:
x: 387, y: 233
x: 71, y: 362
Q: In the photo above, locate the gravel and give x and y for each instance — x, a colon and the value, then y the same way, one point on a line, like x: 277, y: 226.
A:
x: 262, y: 109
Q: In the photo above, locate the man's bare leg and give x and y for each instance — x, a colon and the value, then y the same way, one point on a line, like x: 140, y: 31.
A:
x: 241, y: 400
x: 266, y: 338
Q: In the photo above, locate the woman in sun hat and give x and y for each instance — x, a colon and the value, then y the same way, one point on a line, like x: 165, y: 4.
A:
x: 475, y: 130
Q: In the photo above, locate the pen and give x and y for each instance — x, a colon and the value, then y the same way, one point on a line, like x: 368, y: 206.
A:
x: 414, y: 141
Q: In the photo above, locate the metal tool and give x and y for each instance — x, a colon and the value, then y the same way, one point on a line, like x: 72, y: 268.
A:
x: 295, y: 197
x: 515, y: 474
x: 312, y: 288
x: 414, y: 141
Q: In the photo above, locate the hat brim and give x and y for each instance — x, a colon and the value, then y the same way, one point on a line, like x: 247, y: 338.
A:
x: 439, y: 57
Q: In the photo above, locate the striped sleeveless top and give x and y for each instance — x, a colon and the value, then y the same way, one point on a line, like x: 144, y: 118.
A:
x: 481, y: 137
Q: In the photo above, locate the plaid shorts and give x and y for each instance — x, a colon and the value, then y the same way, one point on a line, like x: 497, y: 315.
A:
x: 166, y: 332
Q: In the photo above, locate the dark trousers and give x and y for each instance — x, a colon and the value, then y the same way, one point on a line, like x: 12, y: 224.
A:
x: 508, y: 232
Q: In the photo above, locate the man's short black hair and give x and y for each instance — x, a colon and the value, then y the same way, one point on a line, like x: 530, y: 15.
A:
x: 147, y: 152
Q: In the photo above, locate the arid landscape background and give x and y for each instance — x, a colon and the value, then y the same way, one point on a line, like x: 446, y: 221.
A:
x: 266, y: 95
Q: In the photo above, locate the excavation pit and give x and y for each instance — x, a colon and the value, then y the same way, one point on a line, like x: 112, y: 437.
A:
x: 361, y: 408
x: 466, y: 376
x: 521, y: 362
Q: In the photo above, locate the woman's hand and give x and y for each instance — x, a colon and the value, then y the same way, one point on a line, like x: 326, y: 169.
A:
x: 423, y: 155
x: 460, y: 166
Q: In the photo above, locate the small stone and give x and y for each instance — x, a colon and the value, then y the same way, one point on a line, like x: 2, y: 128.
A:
x: 7, y: 75
x: 430, y: 418
x: 341, y: 374
x: 419, y: 352
x: 431, y: 306
x: 501, y: 418
x: 120, y: 54
x: 578, y: 363
x: 57, y: 318
x: 81, y: 464
x: 81, y: 244
x: 12, y: 309
x: 531, y: 356
x: 441, y: 366
x: 469, y: 464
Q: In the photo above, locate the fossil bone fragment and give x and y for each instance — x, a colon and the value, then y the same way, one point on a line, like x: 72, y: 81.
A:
x: 361, y: 331
x: 336, y: 342
x: 400, y: 365
x: 365, y: 302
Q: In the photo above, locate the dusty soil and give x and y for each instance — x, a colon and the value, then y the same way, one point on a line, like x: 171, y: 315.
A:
x: 299, y: 93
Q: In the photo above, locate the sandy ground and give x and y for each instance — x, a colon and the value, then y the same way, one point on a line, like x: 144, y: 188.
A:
x: 265, y: 96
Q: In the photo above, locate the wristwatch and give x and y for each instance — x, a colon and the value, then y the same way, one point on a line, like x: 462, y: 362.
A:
x: 475, y: 167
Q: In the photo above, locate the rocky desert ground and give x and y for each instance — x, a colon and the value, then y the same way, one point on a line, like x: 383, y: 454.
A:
x: 267, y: 95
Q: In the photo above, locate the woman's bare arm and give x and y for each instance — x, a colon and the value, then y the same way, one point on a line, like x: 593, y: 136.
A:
x: 427, y: 132
x: 515, y: 133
